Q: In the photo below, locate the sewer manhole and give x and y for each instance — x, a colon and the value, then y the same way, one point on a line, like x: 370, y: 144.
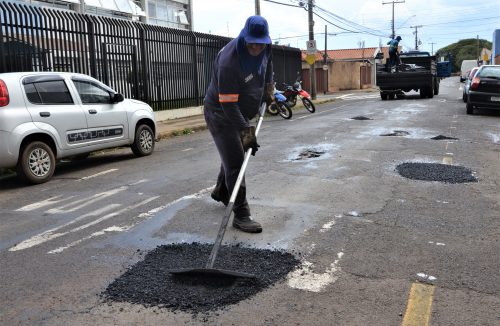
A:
x: 360, y: 118
x: 441, y: 137
x: 149, y: 283
x: 436, y: 172
x: 309, y: 154
x: 397, y: 133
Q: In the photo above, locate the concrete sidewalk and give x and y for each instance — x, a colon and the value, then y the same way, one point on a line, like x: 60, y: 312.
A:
x: 186, y: 125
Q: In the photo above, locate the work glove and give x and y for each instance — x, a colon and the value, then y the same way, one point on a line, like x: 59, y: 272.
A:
x: 249, y: 140
x: 269, y: 94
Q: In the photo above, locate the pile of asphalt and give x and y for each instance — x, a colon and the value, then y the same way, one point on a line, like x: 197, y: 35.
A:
x: 436, y: 172
x: 361, y: 118
x: 309, y: 154
x: 441, y: 137
x: 397, y: 133
x: 149, y: 282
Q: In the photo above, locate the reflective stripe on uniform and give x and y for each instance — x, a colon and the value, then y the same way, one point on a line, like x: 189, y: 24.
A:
x: 228, y: 98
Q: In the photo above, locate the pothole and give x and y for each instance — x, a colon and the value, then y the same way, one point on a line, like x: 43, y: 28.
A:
x: 441, y: 137
x: 150, y: 284
x: 361, y: 118
x: 309, y: 154
x: 436, y: 172
x: 397, y: 133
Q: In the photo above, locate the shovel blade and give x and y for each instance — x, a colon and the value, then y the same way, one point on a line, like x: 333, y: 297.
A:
x: 210, y: 272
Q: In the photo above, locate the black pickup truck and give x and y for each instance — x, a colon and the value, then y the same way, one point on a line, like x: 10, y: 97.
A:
x: 416, y: 71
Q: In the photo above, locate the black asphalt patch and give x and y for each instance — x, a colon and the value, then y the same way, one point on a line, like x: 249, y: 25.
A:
x: 309, y: 154
x: 441, y: 137
x: 361, y: 118
x: 150, y: 284
x: 397, y: 133
x: 436, y: 172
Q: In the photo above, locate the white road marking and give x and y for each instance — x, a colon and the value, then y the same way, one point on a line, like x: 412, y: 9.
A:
x: 43, y: 203
x: 97, y: 174
x: 50, y: 235
x: 304, y: 278
x: 109, y: 229
x: 330, y: 224
x: 426, y: 277
x: 85, y: 201
x: 138, y: 182
x: 144, y: 216
x: 187, y: 149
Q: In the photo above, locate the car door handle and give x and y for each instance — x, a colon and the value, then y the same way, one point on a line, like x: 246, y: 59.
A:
x: 93, y: 111
x: 45, y: 114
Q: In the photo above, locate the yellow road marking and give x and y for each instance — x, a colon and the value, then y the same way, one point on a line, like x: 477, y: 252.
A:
x: 418, y: 310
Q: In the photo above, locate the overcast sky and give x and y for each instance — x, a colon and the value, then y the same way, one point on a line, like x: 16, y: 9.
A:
x: 442, y: 22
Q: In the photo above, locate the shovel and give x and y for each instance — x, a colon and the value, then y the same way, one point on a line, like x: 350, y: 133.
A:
x: 209, y: 269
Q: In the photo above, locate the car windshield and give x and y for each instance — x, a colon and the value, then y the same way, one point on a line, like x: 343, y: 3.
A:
x: 490, y: 72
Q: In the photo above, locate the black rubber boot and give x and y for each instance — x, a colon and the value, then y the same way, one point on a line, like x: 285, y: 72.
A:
x: 220, y: 196
x: 246, y: 224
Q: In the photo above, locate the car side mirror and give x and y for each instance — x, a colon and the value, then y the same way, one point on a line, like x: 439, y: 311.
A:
x: 116, y: 98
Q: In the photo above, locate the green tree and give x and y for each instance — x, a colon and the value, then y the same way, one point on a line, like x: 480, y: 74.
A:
x: 463, y: 50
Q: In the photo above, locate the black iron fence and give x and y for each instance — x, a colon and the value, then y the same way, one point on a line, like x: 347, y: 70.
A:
x: 167, y: 68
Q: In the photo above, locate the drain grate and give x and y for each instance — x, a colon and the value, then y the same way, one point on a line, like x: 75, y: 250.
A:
x: 149, y: 283
x: 436, y: 172
x: 441, y: 137
x: 361, y: 118
x: 397, y: 133
x: 309, y: 154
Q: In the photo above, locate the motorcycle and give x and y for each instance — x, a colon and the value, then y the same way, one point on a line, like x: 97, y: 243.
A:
x: 279, y: 106
x: 292, y: 92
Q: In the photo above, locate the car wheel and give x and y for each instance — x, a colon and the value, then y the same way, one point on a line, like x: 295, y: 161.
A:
x: 383, y: 96
x: 144, y: 141
x: 430, y: 92
x: 37, y: 163
x: 469, y: 108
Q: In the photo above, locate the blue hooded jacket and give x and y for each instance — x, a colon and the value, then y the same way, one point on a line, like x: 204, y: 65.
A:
x: 238, y: 79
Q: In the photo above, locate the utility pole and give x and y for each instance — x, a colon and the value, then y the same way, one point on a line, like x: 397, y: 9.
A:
x: 478, y: 48
x: 393, y: 3
x: 432, y: 47
x: 325, y: 71
x: 416, y: 35
x: 312, y: 70
x: 257, y: 7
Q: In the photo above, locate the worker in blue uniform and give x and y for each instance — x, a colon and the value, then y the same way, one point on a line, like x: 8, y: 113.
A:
x: 241, y: 80
x: 394, y: 53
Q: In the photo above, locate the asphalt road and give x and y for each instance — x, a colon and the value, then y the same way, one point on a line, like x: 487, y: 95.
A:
x: 375, y: 248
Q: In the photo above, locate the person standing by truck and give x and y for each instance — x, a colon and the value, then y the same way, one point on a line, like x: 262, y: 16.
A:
x: 242, y: 77
x: 393, y: 53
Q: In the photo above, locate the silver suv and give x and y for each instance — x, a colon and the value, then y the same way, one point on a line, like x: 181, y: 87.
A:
x: 46, y: 116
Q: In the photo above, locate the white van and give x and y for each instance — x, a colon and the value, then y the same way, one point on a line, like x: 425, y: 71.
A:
x: 467, y: 65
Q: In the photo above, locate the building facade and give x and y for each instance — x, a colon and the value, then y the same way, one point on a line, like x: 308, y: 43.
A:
x: 168, y: 13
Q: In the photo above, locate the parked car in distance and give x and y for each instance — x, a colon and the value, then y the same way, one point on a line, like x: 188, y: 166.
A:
x: 46, y: 116
x: 484, y: 90
x: 467, y: 83
x: 466, y: 67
